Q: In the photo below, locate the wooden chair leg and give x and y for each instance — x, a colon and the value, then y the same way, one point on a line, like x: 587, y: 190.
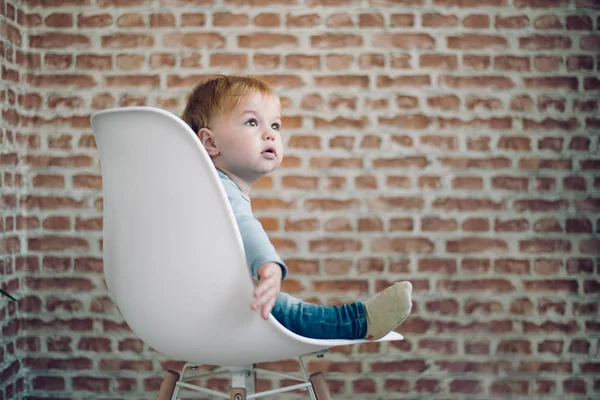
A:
x: 254, y: 379
x: 320, y: 386
x: 237, y: 394
x: 167, y: 387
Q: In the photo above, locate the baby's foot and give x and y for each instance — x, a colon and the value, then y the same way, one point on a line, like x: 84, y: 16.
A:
x: 388, y: 309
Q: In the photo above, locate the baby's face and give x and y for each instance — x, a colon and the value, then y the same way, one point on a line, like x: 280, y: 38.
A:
x: 249, y: 137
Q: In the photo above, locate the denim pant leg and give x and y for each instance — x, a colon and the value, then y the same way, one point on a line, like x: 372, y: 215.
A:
x: 348, y: 321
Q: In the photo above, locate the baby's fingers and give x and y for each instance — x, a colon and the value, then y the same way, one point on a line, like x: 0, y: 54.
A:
x: 263, y: 287
x: 269, y: 296
x: 267, y: 308
x: 261, y: 298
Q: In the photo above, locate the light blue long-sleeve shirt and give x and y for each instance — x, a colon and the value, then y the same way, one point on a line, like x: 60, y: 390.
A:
x: 259, y: 249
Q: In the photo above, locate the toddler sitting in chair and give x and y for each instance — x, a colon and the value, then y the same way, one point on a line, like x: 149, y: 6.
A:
x: 238, y: 120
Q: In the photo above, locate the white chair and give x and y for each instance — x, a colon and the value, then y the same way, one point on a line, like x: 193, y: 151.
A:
x: 174, y: 260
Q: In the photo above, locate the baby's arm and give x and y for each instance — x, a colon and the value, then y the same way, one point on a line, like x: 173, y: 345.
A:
x: 262, y: 258
x: 259, y: 249
x: 264, y: 262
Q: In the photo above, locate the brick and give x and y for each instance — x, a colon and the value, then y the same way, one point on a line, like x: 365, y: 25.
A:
x: 334, y: 245
x: 488, y: 307
x: 364, y: 386
x: 476, y: 21
x: 59, y: 344
x: 59, y: 20
x: 134, y: 345
x: 397, y: 385
x: 398, y: 366
x: 230, y: 19
x: 303, y: 20
x: 575, y: 386
x: 346, y: 286
x: 550, y: 346
x: 545, y: 387
x: 427, y: 386
x: 78, y: 284
x: 437, y: 346
x: 57, y: 223
x: 371, y: 20
x: 56, y: 243
x: 460, y: 366
x: 193, y: 19
x: 79, y: 363
x: 474, y: 245
x: 267, y: 20
x: 265, y: 40
x: 477, y: 348
x: 324, y: 366
x: 124, y: 365
x: 93, y: 61
x: 162, y: 20
x: 94, y: 20
x: 338, y: 61
x: 91, y: 384
x: 56, y: 80
x: 127, y: 41
x: 579, y: 346
x: 443, y: 307
x: 135, y: 80
x: 551, y: 327
x: 514, y: 346
x: 439, y: 21
x: 340, y: 20
x: 58, y: 61
x: 493, y: 285
x: 236, y: 61
x: 49, y: 383
x: 402, y: 245
x: 59, y: 40
x: 56, y: 161
x: 510, y: 387
x: 126, y: 384
x: 465, y: 386
x: 402, y: 20
x: 30, y: 304
x: 366, y: 265
x: 131, y: 20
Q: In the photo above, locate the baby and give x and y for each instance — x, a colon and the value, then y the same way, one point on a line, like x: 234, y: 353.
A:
x: 238, y: 121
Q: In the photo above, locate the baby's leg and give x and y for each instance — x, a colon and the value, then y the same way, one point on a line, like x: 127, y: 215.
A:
x: 348, y: 321
x: 372, y: 319
x: 388, y: 309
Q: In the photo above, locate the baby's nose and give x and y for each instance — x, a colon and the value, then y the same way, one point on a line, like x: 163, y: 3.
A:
x: 268, y: 135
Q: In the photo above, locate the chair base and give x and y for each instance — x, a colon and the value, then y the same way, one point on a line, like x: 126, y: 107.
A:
x: 237, y: 394
x: 167, y: 387
x: 320, y: 386
x: 315, y: 384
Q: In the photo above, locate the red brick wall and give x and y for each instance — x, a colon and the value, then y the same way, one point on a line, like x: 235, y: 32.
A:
x: 12, y: 222
x: 453, y: 143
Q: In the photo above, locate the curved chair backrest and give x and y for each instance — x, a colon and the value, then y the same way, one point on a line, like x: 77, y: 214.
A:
x: 173, y: 257
x: 172, y: 252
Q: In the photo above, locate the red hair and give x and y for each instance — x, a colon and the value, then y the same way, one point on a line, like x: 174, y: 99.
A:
x: 218, y: 96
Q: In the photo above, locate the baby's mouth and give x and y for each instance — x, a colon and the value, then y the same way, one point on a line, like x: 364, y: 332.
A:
x: 269, y: 150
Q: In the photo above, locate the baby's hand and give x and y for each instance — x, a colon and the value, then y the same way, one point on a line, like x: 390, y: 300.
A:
x: 268, y: 289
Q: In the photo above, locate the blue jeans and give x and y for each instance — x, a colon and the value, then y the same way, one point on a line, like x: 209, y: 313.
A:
x: 348, y: 321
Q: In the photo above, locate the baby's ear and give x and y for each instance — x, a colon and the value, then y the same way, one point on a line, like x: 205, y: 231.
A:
x: 206, y: 137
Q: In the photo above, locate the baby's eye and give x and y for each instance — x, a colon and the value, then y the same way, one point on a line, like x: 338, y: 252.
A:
x: 252, y: 122
x: 276, y: 126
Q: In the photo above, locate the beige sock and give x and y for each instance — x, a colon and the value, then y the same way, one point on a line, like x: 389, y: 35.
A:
x: 388, y: 309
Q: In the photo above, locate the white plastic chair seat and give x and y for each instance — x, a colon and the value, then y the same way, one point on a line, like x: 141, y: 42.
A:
x: 173, y: 257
